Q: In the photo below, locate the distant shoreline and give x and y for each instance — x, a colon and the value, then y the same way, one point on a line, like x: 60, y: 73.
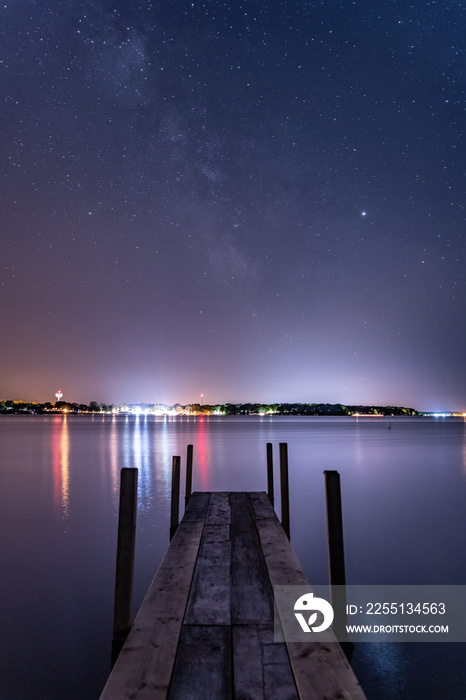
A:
x: 229, y: 409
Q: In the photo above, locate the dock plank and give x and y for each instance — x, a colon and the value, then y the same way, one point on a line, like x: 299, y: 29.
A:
x: 320, y: 669
x: 209, y: 601
x: 218, y: 512
x: 248, y: 674
x: 197, y: 507
x: 203, y: 664
x: 261, y: 506
x: 261, y: 666
x: 251, y: 593
x: 144, y: 666
x: 282, y: 563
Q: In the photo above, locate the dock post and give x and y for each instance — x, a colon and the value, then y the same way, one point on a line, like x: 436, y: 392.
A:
x: 285, y: 494
x: 337, y: 557
x: 125, y: 558
x: 270, y: 473
x: 189, y: 474
x: 175, y: 504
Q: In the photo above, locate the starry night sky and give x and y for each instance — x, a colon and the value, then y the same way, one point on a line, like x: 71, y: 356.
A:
x: 256, y: 201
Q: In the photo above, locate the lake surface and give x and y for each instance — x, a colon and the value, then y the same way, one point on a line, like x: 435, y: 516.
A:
x: 403, y: 494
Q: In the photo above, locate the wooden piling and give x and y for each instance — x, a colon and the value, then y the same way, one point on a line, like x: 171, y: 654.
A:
x: 284, y: 488
x: 189, y: 474
x: 335, y: 528
x: 125, y: 558
x: 270, y: 472
x: 175, y: 503
x: 337, y: 557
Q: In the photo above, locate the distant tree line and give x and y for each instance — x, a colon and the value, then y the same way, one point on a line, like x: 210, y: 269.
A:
x: 227, y: 409
x: 307, y: 409
x: 48, y: 407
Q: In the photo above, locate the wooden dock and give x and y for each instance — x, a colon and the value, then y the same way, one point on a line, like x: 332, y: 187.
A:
x: 205, y: 629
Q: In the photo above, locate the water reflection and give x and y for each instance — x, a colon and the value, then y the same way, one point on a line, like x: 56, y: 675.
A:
x: 142, y: 461
x: 202, y: 448
x: 358, y: 448
x: 159, y: 444
x: 126, y: 444
x: 464, y: 450
x: 137, y: 453
x: 61, y: 466
x: 164, y: 449
x: 113, y: 449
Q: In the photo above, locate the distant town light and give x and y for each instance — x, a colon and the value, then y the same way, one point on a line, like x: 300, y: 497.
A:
x: 367, y: 415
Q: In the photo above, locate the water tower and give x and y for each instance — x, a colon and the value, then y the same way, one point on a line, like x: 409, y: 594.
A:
x: 59, y: 394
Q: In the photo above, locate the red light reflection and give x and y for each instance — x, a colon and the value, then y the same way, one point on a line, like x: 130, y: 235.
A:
x: 202, y: 451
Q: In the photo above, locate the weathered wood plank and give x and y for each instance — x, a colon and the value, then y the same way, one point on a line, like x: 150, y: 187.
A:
x: 219, y: 509
x: 279, y: 682
x: 282, y: 563
x: 261, y: 506
x: 203, y: 664
x: 261, y: 667
x: 209, y: 601
x: 144, y: 666
x: 251, y: 593
x: 320, y: 669
x: 197, y: 507
x: 248, y: 675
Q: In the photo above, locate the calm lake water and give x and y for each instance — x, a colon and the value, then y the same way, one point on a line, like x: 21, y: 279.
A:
x: 403, y: 493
